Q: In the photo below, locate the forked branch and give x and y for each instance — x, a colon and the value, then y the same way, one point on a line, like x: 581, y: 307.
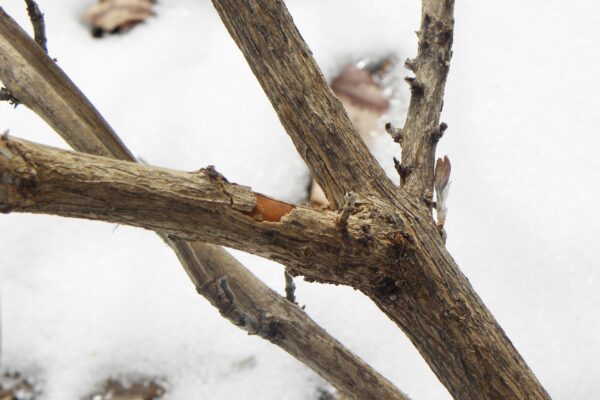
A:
x: 392, y: 250
x: 51, y: 94
x: 419, y: 286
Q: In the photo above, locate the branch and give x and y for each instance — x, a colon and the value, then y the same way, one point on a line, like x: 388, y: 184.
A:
x: 37, y: 81
x: 258, y: 309
x: 52, y: 95
x: 422, y: 129
x: 201, y: 205
x: 422, y: 290
x: 39, y: 27
x: 404, y: 267
x: 313, y: 117
x: 6, y: 95
x: 290, y: 287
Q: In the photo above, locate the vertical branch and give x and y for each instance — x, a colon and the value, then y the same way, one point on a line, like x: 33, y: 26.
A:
x: 422, y: 129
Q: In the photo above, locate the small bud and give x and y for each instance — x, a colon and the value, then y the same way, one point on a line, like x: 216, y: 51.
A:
x: 437, y: 133
x: 416, y: 87
x: 395, y: 133
x: 410, y: 64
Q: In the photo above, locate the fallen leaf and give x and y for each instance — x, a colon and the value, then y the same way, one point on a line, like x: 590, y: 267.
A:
x: 115, y: 390
x: 114, y: 16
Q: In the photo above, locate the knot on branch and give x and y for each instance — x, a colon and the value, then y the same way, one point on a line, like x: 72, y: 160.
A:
x: 416, y: 87
x: 290, y: 287
x: 349, y: 205
x: 397, y: 134
x: 6, y: 95
x: 212, y: 173
x: 269, y: 328
x: 239, y: 313
x: 410, y: 64
x: 436, y: 133
x: 402, y: 170
x: 17, y: 177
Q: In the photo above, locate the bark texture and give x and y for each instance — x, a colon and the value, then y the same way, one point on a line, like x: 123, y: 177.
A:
x: 388, y: 245
x: 422, y: 129
x: 45, y: 89
x: 403, y: 267
x: 307, y: 108
x: 420, y: 287
x: 200, y: 205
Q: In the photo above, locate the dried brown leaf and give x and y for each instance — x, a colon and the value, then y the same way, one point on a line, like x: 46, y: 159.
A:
x: 442, y: 173
x: 358, y: 87
x: 118, y: 15
x: 115, y: 390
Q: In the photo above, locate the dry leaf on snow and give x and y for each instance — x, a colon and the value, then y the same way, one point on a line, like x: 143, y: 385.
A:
x: 114, y: 16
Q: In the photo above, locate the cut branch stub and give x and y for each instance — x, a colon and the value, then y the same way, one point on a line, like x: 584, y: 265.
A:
x: 395, y: 133
x: 349, y: 205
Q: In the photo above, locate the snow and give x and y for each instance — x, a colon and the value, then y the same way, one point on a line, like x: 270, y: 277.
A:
x: 84, y: 301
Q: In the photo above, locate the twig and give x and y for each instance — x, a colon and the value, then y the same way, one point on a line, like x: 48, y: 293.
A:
x: 6, y: 95
x: 395, y: 133
x: 422, y: 129
x: 349, y: 204
x: 290, y: 287
x: 39, y: 26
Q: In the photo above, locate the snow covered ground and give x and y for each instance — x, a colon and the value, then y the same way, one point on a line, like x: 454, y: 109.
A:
x: 84, y: 301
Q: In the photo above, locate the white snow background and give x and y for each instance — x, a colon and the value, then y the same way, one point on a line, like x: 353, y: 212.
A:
x: 84, y: 301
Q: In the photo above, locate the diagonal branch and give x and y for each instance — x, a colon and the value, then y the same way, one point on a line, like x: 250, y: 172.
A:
x: 313, y: 117
x: 422, y: 129
x: 51, y: 94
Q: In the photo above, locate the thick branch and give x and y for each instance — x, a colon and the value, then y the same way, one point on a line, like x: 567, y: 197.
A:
x: 406, y: 270
x: 422, y: 128
x: 310, y: 113
x: 50, y: 93
x: 200, y: 205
